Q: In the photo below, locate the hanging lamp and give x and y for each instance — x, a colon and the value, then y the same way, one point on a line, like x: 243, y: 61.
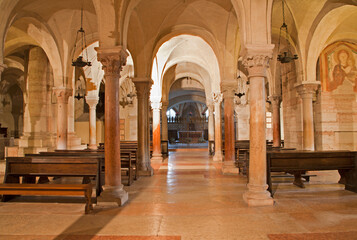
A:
x: 285, y: 56
x: 81, y: 37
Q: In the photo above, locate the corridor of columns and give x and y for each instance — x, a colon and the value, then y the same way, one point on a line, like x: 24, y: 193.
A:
x: 188, y: 198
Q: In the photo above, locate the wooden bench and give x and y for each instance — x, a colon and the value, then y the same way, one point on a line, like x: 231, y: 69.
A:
x: 297, y: 162
x: 50, y: 190
x: 128, y: 157
x: 28, y: 169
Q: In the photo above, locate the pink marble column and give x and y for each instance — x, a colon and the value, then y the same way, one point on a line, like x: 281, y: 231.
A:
x: 92, y: 102
x: 306, y: 92
x: 217, y: 100
x: 164, y: 129
x: 156, y: 133
x: 275, y: 102
x: 113, y: 59
x: 257, y: 194
x: 229, y: 134
x: 142, y: 90
x: 62, y: 94
x: 210, y: 107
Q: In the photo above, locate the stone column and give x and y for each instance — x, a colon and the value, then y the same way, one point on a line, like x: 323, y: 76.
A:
x: 156, y: 138
x: 275, y: 102
x: 228, y: 88
x: 210, y: 107
x: 217, y: 99
x: 257, y: 194
x: 113, y: 60
x: 92, y: 102
x: 306, y: 92
x: 164, y: 129
x: 62, y: 94
x: 142, y: 91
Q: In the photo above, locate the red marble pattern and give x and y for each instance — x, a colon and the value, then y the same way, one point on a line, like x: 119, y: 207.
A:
x: 315, y: 236
x: 87, y: 237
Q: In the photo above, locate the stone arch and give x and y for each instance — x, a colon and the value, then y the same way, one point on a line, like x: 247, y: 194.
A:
x: 322, y: 36
x: 43, y: 37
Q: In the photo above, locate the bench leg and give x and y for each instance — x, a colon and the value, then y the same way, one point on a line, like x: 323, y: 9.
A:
x: 342, y: 173
x: 297, y: 181
x: 43, y: 179
x: 29, y: 179
x: 88, y: 196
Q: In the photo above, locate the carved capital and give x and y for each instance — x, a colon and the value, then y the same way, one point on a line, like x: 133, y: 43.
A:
x: 275, y: 99
x: 112, y: 59
x: 217, y: 97
x: 229, y: 88
x: 307, y: 90
x: 62, y: 94
x: 92, y: 101
x: 156, y: 106
x: 164, y: 106
x: 256, y: 65
x: 143, y: 86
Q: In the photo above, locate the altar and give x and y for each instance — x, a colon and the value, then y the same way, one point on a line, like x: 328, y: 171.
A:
x: 190, y: 136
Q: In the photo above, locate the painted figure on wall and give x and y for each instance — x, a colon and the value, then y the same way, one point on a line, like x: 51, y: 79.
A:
x: 338, y: 66
x: 345, y: 69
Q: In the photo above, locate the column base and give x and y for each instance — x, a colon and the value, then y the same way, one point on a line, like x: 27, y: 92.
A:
x: 218, y: 157
x: 230, y: 170
x: 258, y: 196
x: 93, y: 147
x: 146, y: 173
x: 157, y: 158
x: 114, y: 196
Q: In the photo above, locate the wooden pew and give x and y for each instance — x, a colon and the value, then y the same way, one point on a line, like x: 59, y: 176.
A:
x: 21, y: 175
x: 127, y: 156
x: 298, y: 162
x: 50, y: 190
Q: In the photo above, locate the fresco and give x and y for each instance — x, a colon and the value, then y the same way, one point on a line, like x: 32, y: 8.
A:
x: 338, y: 67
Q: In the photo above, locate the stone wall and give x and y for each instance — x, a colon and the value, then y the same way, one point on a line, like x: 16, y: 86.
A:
x: 292, y: 108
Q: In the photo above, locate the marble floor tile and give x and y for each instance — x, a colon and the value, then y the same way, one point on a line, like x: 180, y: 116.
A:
x: 188, y: 198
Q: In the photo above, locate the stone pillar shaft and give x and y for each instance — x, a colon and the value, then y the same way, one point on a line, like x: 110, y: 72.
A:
x: 257, y: 194
x: 229, y: 134
x: 142, y: 91
x: 113, y: 60
x: 62, y: 94
x: 156, y: 133
x: 275, y: 101
x: 210, y: 128
x: 92, y: 101
x: 307, y: 92
x: 217, y: 99
x: 210, y: 123
x: 164, y: 129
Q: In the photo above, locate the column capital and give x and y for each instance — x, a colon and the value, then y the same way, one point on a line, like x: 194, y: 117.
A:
x: 62, y: 94
x: 156, y: 106
x: 113, y: 59
x: 275, y: 99
x: 307, y: 90
x: 164, y: 105
x: 228, y: 88
x: 217, y: 97
x: 256, y: 59
x: 142, y: 87
x: 92, y: 101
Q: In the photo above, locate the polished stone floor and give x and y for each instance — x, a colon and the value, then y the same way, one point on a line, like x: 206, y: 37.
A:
x: 188, y: 198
